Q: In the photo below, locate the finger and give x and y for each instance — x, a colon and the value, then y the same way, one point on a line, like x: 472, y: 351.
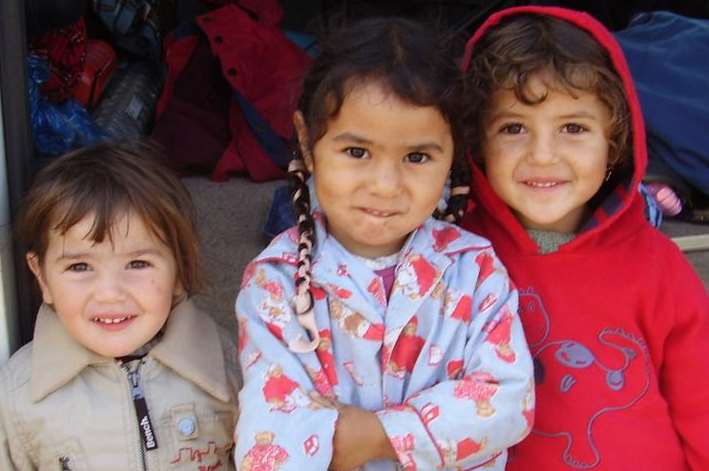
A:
x: 322, y: 400
x: 338, y: 405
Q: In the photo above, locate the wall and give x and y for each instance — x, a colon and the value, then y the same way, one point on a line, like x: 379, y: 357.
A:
x: 8, y: 311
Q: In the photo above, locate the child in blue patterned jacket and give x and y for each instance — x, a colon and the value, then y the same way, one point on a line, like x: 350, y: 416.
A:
x: 372, y: 334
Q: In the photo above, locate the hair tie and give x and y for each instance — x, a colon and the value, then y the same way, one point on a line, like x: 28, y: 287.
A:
x: 460, y: 190
x: 296, y: 165
x: 306, y: 318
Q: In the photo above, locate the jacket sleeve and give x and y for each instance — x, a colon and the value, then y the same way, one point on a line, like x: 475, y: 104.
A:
x: 279, y: 425
x: 486, y: 407
x: 13, y: 456
x: 684, y: 373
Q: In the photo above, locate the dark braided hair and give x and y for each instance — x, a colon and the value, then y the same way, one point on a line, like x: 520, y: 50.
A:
x: 415, y: 63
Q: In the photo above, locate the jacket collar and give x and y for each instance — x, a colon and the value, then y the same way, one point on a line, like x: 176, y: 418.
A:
x: 190, y: 346
x: 433, y: 244
x: 56, y: 357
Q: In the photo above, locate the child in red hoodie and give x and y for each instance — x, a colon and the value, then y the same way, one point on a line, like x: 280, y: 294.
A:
x: 615, y: 317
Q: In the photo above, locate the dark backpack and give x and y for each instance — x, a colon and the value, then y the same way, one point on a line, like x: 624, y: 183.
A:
x: 134, y: 25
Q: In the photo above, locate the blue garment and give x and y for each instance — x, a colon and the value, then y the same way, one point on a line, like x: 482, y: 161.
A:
x: 57, y: 128
x: 653, y: 213
x: 668, y: 55
x: 443, y: 362
x: 280, y: 215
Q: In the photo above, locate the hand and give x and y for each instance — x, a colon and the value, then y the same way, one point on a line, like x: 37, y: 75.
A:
x: 359, y: 436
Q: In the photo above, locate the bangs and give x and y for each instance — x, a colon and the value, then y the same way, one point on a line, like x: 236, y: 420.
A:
x: 106, y: 204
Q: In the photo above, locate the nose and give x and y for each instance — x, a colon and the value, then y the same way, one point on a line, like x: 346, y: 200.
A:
x: 386, y: 178
x: 109, y: 288
x: 542, y: 149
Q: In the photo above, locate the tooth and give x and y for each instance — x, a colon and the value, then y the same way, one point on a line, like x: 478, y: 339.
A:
x: 110, y: 321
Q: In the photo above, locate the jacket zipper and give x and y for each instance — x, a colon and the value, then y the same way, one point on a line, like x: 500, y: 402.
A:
x: 145, y: 429
x: 65, y: 462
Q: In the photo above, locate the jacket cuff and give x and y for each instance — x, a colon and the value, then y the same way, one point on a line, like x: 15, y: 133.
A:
x: 412, y: 441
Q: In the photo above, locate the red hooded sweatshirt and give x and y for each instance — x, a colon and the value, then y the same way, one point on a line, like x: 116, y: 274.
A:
x: 616, y: 319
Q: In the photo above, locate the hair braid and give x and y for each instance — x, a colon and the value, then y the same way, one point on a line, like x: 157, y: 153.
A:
x: 298, y: 175
x: 459, y: 191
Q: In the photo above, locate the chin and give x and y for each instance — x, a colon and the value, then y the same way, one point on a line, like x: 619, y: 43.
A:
x: 114, y: 352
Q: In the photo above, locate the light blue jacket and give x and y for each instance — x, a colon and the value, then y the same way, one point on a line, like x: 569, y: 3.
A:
x: 443, y: 361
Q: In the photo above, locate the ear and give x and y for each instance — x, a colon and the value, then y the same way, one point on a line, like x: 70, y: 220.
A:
x: 178, y: 293
x: 303, y: 140
x: 36, y: 269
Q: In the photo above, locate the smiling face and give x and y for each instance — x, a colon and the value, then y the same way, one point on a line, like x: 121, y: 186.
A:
x: 379, y: 169
x: 546, y: 160
x: 113, y: 296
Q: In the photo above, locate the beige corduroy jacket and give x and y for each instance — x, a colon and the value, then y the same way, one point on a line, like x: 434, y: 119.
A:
x: 63, y: 407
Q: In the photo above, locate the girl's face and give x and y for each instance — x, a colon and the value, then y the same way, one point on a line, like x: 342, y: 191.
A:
x: 546, y: 160
x: 112, y: 297
x: 379, y: 170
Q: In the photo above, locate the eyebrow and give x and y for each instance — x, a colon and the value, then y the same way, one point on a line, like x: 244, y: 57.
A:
x: 72, y: 256
x: 350, y: 137
x: 421, y: 146
x: 141, y: 252
x: 80, y: 255
x: 579, y: 114
x: 503, y: 115
x: 513, y: 115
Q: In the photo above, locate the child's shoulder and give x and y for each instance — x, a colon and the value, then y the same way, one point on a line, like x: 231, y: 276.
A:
x: 282, y: 249
x: 649, y: 247
x: 192, y: 331
x: 451, y: 239
x: 17, y: 371
x: 466, y: 254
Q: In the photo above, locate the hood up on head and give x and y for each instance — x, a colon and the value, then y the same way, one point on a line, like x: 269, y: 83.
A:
x: 624, y: 203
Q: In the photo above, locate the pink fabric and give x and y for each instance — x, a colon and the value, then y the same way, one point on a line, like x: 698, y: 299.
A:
x: 387, y: 275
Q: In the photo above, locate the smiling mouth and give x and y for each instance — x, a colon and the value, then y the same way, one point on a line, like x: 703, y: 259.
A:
x: 112, y: 320
x: 543, y: 184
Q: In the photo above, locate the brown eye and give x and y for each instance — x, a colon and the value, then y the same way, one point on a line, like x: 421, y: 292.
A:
x: 513, y: 128
x: 573, y: 128
x: 356, y: 152
x: 417, y: 157
x: 78, y: 267
x: 138, y: 264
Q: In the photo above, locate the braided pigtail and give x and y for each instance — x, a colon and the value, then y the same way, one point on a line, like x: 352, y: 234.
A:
x: 303, y: 300
x: 460, y: 189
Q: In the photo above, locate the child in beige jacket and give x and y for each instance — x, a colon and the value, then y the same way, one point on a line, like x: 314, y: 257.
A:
x: 124, y: 373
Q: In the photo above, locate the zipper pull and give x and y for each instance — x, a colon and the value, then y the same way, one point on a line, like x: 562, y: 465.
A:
x: 145, y: 426
x: 65, y: 462
x: 136, y: 389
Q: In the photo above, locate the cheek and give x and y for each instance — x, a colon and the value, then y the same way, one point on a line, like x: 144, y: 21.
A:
x: 594, y: 180
x: 333, y: 189
x: 595, y: 164
x: 495, y: 158
x: 164, y: 286
x: 60, y: 291
x: 159, y: 297
x: 499, y: 173
x: 434, y: 189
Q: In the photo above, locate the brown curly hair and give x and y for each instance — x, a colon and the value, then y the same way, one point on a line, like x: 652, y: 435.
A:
x: 520, y: 47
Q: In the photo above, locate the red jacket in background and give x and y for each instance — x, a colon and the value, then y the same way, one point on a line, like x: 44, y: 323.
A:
x: 260, y: 66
